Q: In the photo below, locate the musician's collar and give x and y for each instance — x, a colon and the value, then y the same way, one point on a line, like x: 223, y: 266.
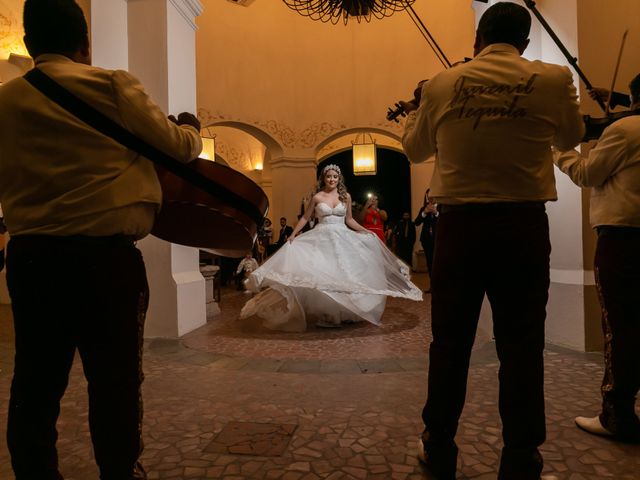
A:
x: 498, y: 48
x: 52, y: 57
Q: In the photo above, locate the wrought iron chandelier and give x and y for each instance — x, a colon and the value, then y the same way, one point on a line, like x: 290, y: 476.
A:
x: 334, y: 10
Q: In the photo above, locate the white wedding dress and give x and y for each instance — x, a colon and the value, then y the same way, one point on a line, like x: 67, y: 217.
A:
x: 330, y: 274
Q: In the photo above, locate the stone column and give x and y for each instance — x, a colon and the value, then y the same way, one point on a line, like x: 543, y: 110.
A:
x: 161, y: 53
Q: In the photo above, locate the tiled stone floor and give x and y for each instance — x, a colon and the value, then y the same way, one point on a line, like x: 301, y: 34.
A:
x: 354, y: 396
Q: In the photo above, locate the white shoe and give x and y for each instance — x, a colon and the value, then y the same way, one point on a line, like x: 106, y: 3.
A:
x: 593, y: 425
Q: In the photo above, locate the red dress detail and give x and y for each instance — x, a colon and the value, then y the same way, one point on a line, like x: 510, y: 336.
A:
x: 373, y: 221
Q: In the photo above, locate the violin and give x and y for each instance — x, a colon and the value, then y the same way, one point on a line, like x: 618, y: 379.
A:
x: 399, y: 110
x: 596, y: 125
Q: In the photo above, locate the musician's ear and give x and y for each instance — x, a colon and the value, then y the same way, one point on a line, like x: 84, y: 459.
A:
x: 84, y: 52
x: 478, y: 45
x: 523, y: 46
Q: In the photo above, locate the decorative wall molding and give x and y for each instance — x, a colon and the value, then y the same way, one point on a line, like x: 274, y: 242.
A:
x: 11, y: 32
x: 286, y: 136
x: 237, y: 159
x: 293, y: 162
x: 189, y: 9
x: 290, y: 138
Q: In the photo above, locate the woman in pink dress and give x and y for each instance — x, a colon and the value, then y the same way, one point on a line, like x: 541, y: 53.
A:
x: 373, y: 218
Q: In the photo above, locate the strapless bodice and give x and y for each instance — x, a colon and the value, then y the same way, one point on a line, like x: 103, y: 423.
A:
x: 325, y: 214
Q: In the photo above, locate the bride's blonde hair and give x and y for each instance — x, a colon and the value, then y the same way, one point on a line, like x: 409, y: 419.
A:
x: 342, y: 189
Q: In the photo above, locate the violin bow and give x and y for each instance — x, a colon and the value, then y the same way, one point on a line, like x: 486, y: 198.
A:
x: 615, y: 72
x: 573, y: 61
x: 424, y: 31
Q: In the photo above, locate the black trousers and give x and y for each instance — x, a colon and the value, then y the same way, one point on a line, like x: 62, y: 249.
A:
x: 404, y: 250
x: 428, y: 245
x: 617, y: 267
x: 501, y: 251
x: 85, y: 294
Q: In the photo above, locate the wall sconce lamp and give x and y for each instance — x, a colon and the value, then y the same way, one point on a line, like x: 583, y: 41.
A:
x: 364, y: 155
x: 208, y: 144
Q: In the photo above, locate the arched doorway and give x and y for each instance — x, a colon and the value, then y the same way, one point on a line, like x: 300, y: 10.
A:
x: 392, y: 183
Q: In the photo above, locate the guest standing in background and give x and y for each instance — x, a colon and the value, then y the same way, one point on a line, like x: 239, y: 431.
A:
x: 388, y: 235
x: 247, y: 265
x: 265, y: 237
x: 428, y: 218
x: 405, y: 238
x: 283, y: 236
x: 373, y: 217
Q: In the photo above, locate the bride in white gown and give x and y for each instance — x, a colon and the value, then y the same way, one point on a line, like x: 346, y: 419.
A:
x: 336, y: 273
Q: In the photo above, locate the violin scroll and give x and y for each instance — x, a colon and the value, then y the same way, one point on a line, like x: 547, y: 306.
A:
x: 398, y: 111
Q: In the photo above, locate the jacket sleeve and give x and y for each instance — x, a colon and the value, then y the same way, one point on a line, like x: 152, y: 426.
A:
x: 603, y: 161
x: 142, y: 117
x: 418, y: 140
x: 570, y: 127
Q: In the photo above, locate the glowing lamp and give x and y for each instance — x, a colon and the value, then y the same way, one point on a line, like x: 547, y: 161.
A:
x: 364, y: 156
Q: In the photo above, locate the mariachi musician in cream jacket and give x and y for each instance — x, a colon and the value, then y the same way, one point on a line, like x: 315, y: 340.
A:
x: 491, y: 123
x: 74, y: 202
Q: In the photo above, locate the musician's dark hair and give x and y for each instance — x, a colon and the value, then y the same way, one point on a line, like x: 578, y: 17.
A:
x: 54, y: 26
x: 505, y: 22
x: 634, y: 88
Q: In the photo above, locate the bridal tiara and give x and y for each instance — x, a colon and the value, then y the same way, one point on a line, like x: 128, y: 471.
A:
x: 331, y: 166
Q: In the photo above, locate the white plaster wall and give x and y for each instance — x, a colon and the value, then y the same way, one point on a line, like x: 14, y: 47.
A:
x: 109, y: 34
x: 147, y: 52
x: 303, y: 80
x: 181, y: 58
x: 295, y: 178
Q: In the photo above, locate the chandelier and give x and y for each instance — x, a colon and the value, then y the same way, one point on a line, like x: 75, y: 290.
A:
x: 334, y: 10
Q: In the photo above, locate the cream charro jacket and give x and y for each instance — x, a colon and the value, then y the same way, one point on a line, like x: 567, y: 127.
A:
x: 612, y: 168
x: 491, y: 123
x: 58, y: 176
